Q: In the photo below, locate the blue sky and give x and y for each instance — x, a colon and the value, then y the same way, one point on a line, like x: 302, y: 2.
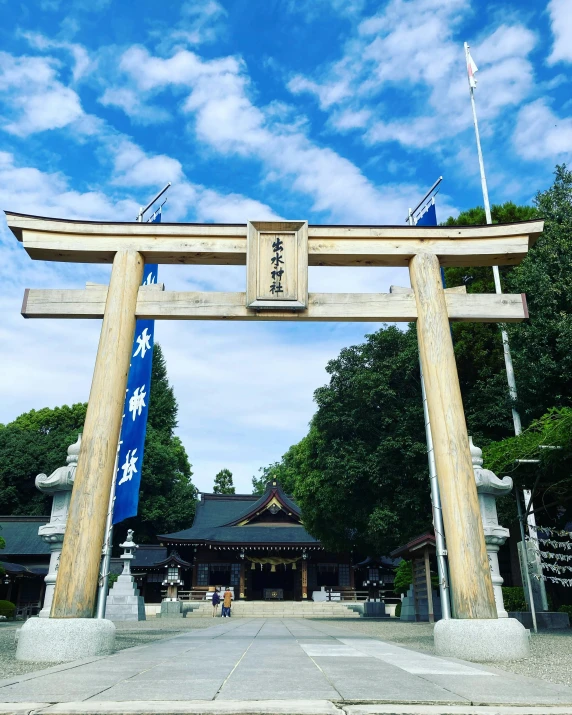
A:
x: 331, y: 111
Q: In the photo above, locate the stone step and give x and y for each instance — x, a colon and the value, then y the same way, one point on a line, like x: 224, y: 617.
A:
x: 277, y: 609
x: 276, y: 614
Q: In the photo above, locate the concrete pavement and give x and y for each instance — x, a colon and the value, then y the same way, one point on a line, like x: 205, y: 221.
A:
x: 271, y: 666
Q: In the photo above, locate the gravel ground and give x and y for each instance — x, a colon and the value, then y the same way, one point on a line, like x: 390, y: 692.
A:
x: 128, y: 635
x: 550, y: 658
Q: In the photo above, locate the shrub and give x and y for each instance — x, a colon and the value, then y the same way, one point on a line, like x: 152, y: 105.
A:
x: 513, y: 597
x: 7, y: 608
x: 398, y: 610
x: 403, y: 577
x: 566, y: 609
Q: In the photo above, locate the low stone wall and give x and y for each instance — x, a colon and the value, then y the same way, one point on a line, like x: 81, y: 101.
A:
x: 544, y: 619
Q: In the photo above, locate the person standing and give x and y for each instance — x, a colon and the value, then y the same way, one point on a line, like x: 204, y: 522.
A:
x: 226, y: 603
x: 216, y: 601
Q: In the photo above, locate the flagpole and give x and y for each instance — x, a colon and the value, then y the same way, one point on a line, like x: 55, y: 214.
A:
x: 498, y: 289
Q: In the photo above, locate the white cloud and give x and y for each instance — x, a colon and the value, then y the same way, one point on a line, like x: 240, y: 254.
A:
x: 401, y: 77
x: 133, y: 167
x: 315, y: 10
x: 540, y: 134
x: 231, y: 208
x: 561, y: 24
x: 82, y: 61
x: 227, y: 120
x: 350, y: 119
x: 36, y: 100
x: 200, y: 22
x: 29, y: 190
x: 131, y: 103
x: 506, y: 42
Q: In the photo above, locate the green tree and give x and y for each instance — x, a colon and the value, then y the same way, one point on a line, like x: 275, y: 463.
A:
x: 403, y: 577
x: 541, y: 347
x: 223, y: 482
x: 543, y: 344
x: 478, y: 346
x: 33, y: 443
x: 362, y: 478
x: 285, y: 472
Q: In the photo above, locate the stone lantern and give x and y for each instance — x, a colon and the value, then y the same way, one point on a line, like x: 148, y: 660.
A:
x: 174, y: 565
x: 59, y: 484
x: 123, y: 601
x: 489, y: 488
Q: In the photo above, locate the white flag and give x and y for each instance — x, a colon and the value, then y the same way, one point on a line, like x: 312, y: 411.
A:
x: 472, y: 69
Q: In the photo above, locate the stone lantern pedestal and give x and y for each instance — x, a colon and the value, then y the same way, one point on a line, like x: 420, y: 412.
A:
x: 489, y: 488
x: 59, y: 484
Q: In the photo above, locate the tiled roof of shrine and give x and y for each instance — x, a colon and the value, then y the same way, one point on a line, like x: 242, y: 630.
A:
x: 232, y: 519
x: 21, y: 535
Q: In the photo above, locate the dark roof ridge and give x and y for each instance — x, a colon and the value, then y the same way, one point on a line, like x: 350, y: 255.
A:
x: 233, y: 497
x: 173, y: 556
x: 273, y: 490
x: 23, y: 518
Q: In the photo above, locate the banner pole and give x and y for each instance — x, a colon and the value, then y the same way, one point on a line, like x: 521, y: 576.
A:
x: 107, y: 547
x: 496, y: 274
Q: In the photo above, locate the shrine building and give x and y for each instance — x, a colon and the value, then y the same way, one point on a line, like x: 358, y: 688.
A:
x: 255, y: 544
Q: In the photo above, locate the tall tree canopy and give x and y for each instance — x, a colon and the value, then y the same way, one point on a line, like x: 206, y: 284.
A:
x: 33, y: 443
x: 360, y: 475
x: 223, y: 482
x: 37, y: 441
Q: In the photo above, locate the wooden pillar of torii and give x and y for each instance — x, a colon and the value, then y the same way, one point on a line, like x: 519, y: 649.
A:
x: 277, y: 255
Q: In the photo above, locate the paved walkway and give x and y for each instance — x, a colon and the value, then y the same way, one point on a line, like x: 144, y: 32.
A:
x: 278, y: 660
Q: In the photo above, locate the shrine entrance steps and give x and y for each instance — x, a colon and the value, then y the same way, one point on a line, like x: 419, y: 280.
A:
x: 278, y: 609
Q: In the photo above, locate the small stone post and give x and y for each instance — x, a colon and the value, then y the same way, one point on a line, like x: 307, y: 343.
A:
x: 59, y: 484
x: 489, y: 488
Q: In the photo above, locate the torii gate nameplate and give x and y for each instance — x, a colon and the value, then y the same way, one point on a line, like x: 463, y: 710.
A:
x: 128, y: 245
x: 277, y: 265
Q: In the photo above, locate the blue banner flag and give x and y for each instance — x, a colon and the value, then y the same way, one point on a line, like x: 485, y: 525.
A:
x: 428, y: 217
x: 135, y: 410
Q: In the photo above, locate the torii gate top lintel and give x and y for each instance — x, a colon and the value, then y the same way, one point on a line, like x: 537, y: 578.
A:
x: 65, y: 240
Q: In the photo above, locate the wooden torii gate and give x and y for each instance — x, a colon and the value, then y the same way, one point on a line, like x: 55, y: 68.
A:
x: 277, y: 255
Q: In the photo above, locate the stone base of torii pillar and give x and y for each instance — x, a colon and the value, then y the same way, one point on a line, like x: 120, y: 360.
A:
x: 52, y: 640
